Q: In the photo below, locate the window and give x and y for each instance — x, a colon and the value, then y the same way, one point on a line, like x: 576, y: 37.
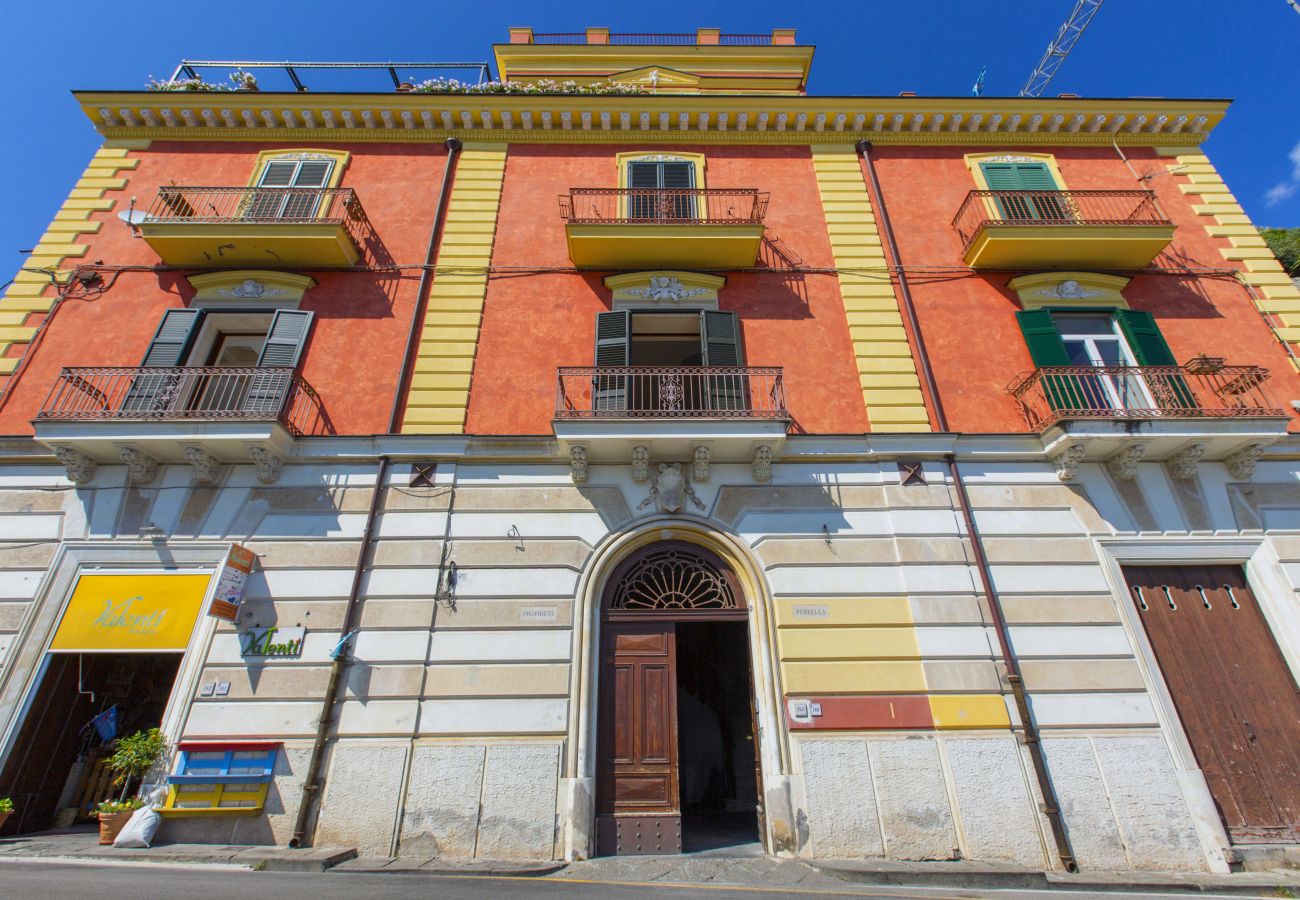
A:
x: 221, y: 778
x: 677, y: 356
x: 1026, y: 184
x: 1119, y: 343
x: 236, y: 340
x: 290, y: 188
x: 661, y: 190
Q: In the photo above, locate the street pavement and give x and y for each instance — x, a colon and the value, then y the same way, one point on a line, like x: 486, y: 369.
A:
x: 28, y: 878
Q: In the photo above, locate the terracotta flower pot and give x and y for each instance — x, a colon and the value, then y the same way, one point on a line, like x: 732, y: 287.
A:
x: 4, y: 817
x: 112, y: 823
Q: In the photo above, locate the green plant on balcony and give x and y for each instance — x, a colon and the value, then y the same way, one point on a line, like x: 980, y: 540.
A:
x: 134, y: 755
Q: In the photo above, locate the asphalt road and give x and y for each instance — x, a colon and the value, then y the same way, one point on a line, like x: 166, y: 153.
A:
x: 146, y: 881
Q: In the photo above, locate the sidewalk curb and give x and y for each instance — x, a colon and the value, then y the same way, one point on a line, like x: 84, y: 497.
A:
x: 492, y: 868
x: 1046, y: 881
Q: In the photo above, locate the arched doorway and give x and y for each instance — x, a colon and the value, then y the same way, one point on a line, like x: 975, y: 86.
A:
x: 676, y: 762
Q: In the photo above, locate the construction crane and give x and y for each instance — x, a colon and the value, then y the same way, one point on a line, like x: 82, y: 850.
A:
x: 1060, y: 48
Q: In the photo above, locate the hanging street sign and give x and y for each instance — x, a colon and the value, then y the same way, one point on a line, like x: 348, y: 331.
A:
x: 230, y: 583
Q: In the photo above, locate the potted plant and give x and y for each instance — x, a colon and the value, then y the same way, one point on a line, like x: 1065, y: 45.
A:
x: 133, y: 757
x: 113, y: 816
x: 6, y: 810
x: 244, y: 81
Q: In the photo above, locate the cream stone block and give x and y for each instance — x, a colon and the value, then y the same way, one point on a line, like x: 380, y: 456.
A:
x: 520, y: 679
x: 842, y: 817
x: 940, y: 641
x: 1060, y: 609
x: 30, y: 527
x: 1098, y: 710
x: 1045, y: 576
x: 1081, y: 675
x: 1094, y: 833
x: 391, y: 646
x: 366, y: 682
x: 962, y: 676
x: 487, y: 716
x: 279, y: 719
x: 1039, y: 551
x: 1153, y: 819
x: 377, y: 718
x: 915, y: 814
x: 1070, y: 640
x: 441, y: 817
x: 834, y: 579
x: 520, y: 785
x: 533, y: 645
x: 360, y: 802
x: 997, y: 812
x: 514, y: 614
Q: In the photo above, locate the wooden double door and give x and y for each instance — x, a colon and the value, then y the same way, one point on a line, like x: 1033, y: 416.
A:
x: 1233, y: 690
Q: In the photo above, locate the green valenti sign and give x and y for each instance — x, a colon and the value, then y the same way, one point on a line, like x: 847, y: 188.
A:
x: 272, y: 642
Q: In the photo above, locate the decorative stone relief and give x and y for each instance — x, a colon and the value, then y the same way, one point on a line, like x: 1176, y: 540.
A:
x: 700, y: 464
x: 1124, y: 464
x: 80, y: 467
x: 578, y: 464
x: 664, y: 287
x: 670, y: 489
x: 640, y: 464
x: 1069, y: 290
x: 205, y: 467
x: 1067, y: 461
x: 140, y: 466
x: 1182, y: 464
x: 266, y: 465
x: 248, y: 289
x: 762, y: 464
x: 1241, y: 465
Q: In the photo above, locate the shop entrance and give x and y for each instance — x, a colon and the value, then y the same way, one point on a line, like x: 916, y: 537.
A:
x: 676, y: 750
x: 56, y: 769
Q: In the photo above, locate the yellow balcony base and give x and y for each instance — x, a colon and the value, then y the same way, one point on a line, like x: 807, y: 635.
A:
x: 651, y: 246
x: 314, y: 245
x: 1067, y: 246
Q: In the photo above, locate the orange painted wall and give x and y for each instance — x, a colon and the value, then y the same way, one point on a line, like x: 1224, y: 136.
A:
x: 359, y: 335
x: 968, y: 319
x: 533, y: 324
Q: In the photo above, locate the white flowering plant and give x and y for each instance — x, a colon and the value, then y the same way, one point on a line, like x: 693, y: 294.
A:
x: 541, y: 86
x: 241, y: 81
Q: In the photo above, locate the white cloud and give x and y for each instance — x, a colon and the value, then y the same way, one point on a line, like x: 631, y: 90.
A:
x: 1284, y: 189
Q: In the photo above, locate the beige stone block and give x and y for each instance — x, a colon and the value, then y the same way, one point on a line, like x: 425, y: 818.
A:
x: 932, y: 550
x: 366, y: 681
x: 1077, y: 675
x: 534, y: 553
x: 946, y: 610
x: 522, y: 680
x: 1078, y: 609
x: 734, y: 500
x: 409, y: 615
x: 504, y: 614
x: 317, y: 615
x: 919, y: 495
x: 27, y: 556
x: 270, y: 682
x: 12, y: 613
x: 1045, y: 550
x: 397, y: 498
x: 305, y: 554
x: 962, y: 675
x: 399, y: 553
x: 816, y: 551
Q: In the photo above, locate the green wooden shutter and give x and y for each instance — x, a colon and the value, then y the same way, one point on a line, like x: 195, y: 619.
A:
x: 283, y: 348
x: 1149, y: 349
x: 720, y: 342
x: 1144, y: 338
x: 1042, y: 338
x: 153, y: 393
x: 613, y: 348
x: 1023, y: 177
x: 1046, y: 348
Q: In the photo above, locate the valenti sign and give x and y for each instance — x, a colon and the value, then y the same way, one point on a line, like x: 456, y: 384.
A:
x: 131, y: 612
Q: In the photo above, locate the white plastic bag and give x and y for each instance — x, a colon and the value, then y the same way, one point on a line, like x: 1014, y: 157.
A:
x: 141, y: 828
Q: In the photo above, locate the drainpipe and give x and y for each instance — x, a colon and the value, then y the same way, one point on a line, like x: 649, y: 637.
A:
x: 312, y: 785
x: 1051, y: 803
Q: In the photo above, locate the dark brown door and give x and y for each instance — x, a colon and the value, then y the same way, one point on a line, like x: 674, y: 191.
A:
x: 638, y: 793
x: 1234, y: 693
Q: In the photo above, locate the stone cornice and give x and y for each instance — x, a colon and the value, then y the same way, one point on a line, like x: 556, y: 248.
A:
x: 265, y: 116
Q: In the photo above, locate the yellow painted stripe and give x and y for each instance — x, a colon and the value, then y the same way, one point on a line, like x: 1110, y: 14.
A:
x: 856, y: 246
x: 969, y: 711
x: 854, y: 677
x: 439, y: 394
x: 851, y: 643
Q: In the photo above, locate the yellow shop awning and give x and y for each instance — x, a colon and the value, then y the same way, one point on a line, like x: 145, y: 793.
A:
x: 131, y: 612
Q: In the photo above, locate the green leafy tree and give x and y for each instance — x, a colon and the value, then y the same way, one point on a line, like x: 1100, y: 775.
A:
x: 1285, y: 244
x: 134, y: 755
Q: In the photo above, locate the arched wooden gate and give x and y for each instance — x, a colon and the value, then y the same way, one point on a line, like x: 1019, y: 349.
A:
x: 649, y: 596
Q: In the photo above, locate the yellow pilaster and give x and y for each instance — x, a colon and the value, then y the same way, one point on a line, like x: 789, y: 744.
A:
x: 1277, y: 295
x: 31, y: 291
x: 439, y: 393
x: 890, y: 386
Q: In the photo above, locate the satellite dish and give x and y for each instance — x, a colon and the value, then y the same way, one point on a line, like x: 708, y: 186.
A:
x: 133, y: 217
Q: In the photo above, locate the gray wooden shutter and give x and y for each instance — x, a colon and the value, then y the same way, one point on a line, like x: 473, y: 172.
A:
x: 153, y: 393
x: 613, y: 348
x: 305, y: 200
x: 720, y: 342
x: 642, y: 176
x: 283, y: 348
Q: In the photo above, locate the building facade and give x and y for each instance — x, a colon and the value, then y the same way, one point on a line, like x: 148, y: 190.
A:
x: 656, y: 461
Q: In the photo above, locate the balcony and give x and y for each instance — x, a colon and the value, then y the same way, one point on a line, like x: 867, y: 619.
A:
x: 1222, y: 407
x: 1061, y: 229
x: 228, y: 227
x: 612, y: 409
x: 198, y: 414
x: 661, y: 228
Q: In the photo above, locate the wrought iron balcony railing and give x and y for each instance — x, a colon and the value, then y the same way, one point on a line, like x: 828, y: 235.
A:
x: 654, y: 40
x: 982, y: 209
x: 670, y: 392
x: 260, y: 206
x: 664, y: 206
x: 1196, y: 390
x: 184, y: 393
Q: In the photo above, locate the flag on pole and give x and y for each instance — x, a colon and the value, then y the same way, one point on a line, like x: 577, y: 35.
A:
x: 978, y: 89
x: 105, y: 724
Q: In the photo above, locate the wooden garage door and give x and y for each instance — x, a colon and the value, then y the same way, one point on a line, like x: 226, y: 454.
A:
x: 1234, y: 693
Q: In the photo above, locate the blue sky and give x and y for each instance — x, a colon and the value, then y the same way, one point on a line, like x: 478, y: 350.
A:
x: 1245, y: 50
